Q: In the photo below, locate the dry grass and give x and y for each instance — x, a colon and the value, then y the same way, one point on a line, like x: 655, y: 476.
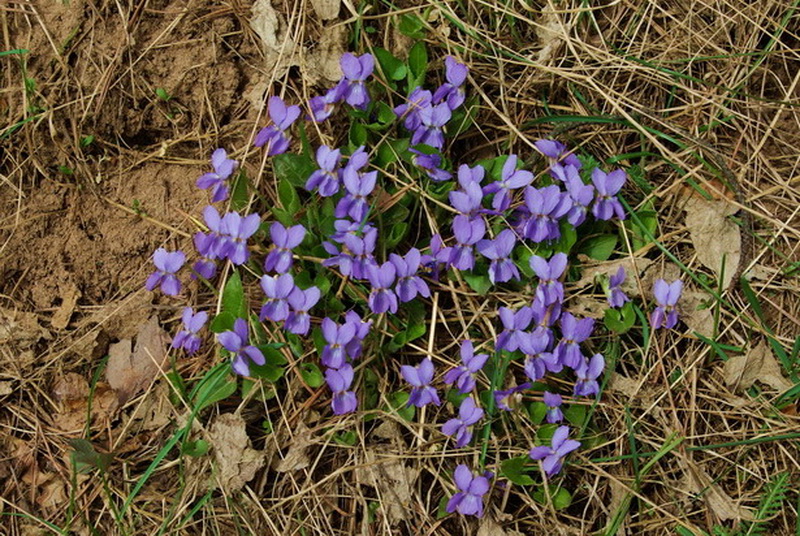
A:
x: 697, y: 85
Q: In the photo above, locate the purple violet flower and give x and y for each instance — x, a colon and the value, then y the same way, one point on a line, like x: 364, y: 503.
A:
x: 511, y: 178
x: 468, y: 414
x: 205, y: 267
x: 553, y: 403
x: 285, y: 240
x: 452, y: 91
x: 538, y: 361
x: 463, y: 376
x: 608, y: 185
x: 467, y: 201
x: 214, y: 246
x: 581, y: 194
x: 381, y: 298
x: 468, y: 501
x: 509, y: 399
x: 353, y: 348
x: 419, y: 99
x: 323, y: 106
x: 554, y: 455
x: 431, y: 164
x: 340, y: 380
x: 238, y: 230
x: 573, y: 332
x: 420, y: 378
x: 358, y: 185
x: 188, y: 338
x: 667, y: 295
x: 301, y: 301
x: 167, y: 264
x: 587, y: 373
x: 550, y: 290
x: 338, y: 337
x: 274, y: 135
x: 544, y: 207
x: 236, y: 342
x: 616, y: 298
x: 326, y: 178
x: 554, y: 150
x: 514, y: 325
x: 502, y: 268
x: 355, y: 71
x: 223, y: 168
x: 433, y: 119
x: 409, y: 284
x: 278, y: 288
x: 356, y: 256
x: 468, y: 232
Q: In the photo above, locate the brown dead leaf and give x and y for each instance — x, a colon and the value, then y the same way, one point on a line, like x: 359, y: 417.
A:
x: 719, y: 502
x: 6, y: 388
x: 237, y: 461
x: 490, y: 527
x: 122, y: 319
x: 326, y: 9
x: 632, y: 265
x: 587, y: 306
x: 130, y: 371
x: 69, y: 298
x: 297, y: 457
x: 155, y: 411
x: 550, y: 34
x: 696, y: 311
x: 759, y: 363
x: 715, y: 237
x: 392, y: 479
x: 20, y: 330
x: 623, y: 385
x: 72, y: 391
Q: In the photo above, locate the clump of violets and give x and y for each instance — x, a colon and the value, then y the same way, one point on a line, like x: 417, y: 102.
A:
x: 666, y: 295
x: 167, y: 265
x: 237, y: 343
x: 468, y: 500
x: 274, y: 135
x: 188, y: 338
x: 215, y: 180
x: 553, y: 456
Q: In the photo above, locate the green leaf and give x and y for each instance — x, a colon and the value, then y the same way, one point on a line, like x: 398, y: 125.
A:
x: 216, y: 385
x: 358, y: 134
x: 85, y: 457
x: 393, y: 68
x: 288, y: 197
x: 273, y: 368
x: 233, y: 296
x: 561, y: 498
x: 312, y: 375
x: 86, y: 141
x: 620, y: 320
x: 480, y: 283
x: 223, y: 322
x: 411, y: 26
x: 384, y: 113
x: 568, y: 238
x: 537, y: 412
x: 514, y: 469
x: 417, y: 66
x: 600, y: 247
x: 240, y: 195
x: 576, y: 414
x: 294, y: 168
x: 347, y: 438
x: 162, y: 94
x: 396, y: 234
x: 195, y: 448
x: 399, y: 403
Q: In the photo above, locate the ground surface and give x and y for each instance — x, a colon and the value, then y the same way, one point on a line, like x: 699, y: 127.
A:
x: 158, y: 85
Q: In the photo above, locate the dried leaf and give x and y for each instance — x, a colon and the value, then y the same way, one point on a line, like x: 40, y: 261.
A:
x: 5, y: 388
x: 297, y: 457
x: 549, y: 33
x: 20, y: 330
x: 714, y: 236
x: 237, y: 461
x: 69, y: 298
x: 392, y: 479
x: 129, y: 372
x: 719, y: 502
x: 72, y: 391
x: 632, y: 265
x: 623, y: 385
x: 123, y: 319
x: 696, y: 312
x: 490, y: 527
x: 759, y: 363
x: 326, y: 9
